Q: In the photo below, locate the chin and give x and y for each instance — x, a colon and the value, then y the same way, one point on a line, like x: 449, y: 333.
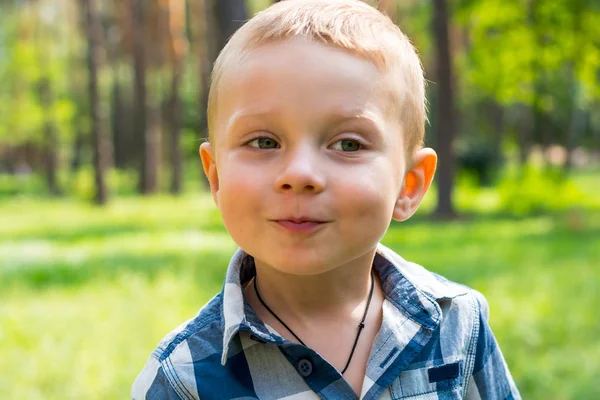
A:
x: 301, y: 270
x: 299, y: 264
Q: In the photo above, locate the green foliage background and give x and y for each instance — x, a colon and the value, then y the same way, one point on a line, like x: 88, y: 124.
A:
x: 87, y: 293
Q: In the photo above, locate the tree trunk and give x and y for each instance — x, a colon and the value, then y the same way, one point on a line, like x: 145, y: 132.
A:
x: 230, y: 15
x: 100, y: 141
x: 495, y: 113
x: 77, y: 86
x: 204, y: 43
x: 175, y: 128
x: 207, y: 49
x: 50, y: 139
x: 119, y: 133
x: 446, y: 112
x: 524, y: 130
x: 497, y: 117
x: 530, y: 130
x: 140, y: 114
x: 221, y: 19
x: 152, y: 140
x: 77, y: 155
x: 577, y: 118
x: 576, y: 126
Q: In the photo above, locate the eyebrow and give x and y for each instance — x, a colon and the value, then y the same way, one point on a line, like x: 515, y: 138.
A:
x: 239, y: 117
x: 334, y: 117
x: 360, y: 114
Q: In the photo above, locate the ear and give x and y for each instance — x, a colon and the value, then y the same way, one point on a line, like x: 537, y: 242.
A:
x: 416, y: 183
x: 207, y: 156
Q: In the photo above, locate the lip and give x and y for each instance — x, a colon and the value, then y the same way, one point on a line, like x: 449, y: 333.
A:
x: 300, y: 226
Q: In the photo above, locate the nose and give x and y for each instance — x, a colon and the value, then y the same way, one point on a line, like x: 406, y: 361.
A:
x: 301, y: 172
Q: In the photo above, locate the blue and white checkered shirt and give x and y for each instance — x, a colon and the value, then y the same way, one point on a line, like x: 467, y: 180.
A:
x: 434, y: 343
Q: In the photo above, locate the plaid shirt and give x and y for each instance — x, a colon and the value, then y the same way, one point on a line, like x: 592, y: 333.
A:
x: 434, y: 343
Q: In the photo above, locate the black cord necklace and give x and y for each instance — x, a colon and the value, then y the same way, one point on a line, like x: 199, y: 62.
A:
x: 360, y: 326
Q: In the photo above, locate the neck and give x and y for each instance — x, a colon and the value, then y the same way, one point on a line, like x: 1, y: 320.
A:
x: 340, y: 294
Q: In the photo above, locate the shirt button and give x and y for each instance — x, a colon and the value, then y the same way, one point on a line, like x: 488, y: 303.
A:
x: 305, y: 367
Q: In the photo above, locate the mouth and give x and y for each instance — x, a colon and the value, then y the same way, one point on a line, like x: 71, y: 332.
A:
x: 300, y: 225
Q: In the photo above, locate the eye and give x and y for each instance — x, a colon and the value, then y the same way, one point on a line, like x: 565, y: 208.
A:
x: 263, y: 143
x: 347, y: 145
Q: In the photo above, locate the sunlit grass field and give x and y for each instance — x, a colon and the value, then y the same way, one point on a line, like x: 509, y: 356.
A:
x: 87, y: 293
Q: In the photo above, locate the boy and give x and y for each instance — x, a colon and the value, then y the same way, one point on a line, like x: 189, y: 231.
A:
x: 316, y: 120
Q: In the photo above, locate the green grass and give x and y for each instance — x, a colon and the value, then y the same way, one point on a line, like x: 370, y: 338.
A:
x: 87, y: 293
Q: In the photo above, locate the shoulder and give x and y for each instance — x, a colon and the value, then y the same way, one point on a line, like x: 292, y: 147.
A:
x: 196, y: 339
x: 453, y: 305
x: 425, y: 282
x: 207, y: 325
x: 461, y: 306
x: 463, y: 338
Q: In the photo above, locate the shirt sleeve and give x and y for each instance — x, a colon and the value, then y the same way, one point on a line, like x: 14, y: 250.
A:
x: 491, y: 379
x: 152, y: 384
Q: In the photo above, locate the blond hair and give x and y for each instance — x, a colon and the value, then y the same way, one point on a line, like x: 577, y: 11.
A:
x: 347, y: 24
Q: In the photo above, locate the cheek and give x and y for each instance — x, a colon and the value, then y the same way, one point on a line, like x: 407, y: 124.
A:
x: 239, y: 197
x: 370, y: 199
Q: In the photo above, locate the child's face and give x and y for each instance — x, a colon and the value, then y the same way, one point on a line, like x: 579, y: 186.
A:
x: 302, y: 133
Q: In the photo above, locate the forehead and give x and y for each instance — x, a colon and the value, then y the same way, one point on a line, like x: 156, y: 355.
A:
x: 302, y: 74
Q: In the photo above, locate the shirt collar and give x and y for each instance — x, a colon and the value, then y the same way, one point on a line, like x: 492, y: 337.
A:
x: 408, y: 286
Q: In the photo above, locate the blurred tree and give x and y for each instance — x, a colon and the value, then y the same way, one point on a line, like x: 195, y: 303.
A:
x: 206, y: 50
x: 576, y: 118
x: 116, y: 25
x: 147, y: 172
x: 221, y: 19
x: 527, y: 79
x: 537, y: 60
x: 78, y: 93
x: 446, y: 112
x: 35, y: 109
x: 50, y: 138
x: 177, y: 50
x: 99, y: 135
x: 155, y: 36
x: 46, y: 96
x: 230, y: 15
